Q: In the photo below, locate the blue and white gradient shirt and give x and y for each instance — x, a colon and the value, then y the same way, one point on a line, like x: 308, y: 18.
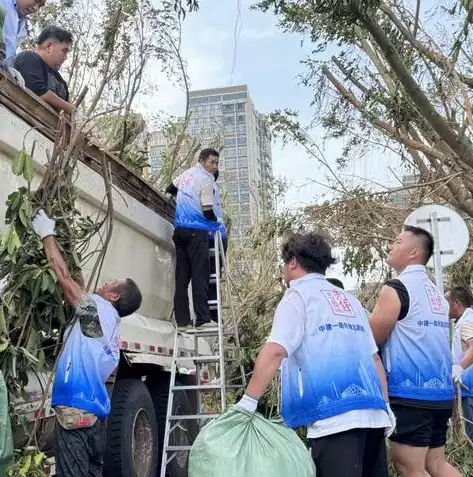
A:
x: 195, y: 191
x: 417, y: 352
x: 87, y: 361
x: 330, y: 372
x: 12, y: 31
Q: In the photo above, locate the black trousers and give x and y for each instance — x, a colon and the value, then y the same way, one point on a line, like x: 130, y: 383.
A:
x: 79, y: 452
x: 192, y: 264
x: 213, y: 286
x: 354, y: 453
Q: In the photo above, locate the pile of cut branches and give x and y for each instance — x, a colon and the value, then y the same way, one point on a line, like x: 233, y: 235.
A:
x: 33, y: 311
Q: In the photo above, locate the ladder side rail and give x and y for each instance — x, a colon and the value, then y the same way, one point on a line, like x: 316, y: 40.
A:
x: 218, y: 243
x: 232, y: 308
x: 167, y: 431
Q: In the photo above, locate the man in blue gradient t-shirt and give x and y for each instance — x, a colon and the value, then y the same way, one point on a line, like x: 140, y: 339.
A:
x: 411, y: 319
x: 332, y: 380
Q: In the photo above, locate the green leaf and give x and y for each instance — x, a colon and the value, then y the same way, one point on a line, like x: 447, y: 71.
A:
x: 14, y: 242
x: 53, y: 275
x: 3, y: 323
x: 26, y: 465
x: 45, y: 282
x: 38, y: 458
x: 29, y: 169
x: 32, y: 341
x: 41, y: 360
x: 19, y: 163
x: 4, y: 346
x: 6, y: 237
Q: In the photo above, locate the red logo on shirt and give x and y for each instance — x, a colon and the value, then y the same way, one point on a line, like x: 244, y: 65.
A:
x: 339, y: 303
x: 435, y: 300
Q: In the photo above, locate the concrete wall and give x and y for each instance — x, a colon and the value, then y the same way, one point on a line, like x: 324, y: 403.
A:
x: 141, y: 246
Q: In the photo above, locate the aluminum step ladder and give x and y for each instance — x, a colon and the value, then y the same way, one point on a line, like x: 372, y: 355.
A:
x: 226, y: 329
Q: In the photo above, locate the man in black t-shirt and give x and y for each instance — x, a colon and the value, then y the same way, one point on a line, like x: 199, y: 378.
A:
x: 40, y: 68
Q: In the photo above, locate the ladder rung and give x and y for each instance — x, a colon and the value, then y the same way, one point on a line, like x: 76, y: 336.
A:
x: 213, y: 305
x: 199, y: 387
x: 200, y: 359
x: 213, y: 332
x: 194, y: 417
x: 199, y: 331
x: 178, y: 448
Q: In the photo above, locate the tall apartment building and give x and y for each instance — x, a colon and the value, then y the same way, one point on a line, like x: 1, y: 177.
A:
x: 401, y: 198
x: 245, y: 160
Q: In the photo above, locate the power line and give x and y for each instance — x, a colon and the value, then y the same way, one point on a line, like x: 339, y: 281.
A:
x: 236, y: 37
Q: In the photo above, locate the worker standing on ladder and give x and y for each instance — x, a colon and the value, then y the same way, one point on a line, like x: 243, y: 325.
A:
x: 411, y: 318
x: 195, y: 217
x: 332, y: 379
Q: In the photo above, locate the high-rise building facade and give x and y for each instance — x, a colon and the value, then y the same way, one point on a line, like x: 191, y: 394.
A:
x: 245, y: 161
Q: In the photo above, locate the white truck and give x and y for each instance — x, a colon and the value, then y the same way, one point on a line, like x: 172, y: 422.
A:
x: 141, y: 248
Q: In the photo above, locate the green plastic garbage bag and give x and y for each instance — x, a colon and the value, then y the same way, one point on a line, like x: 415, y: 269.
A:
x: 241, y: 444
x: 6, y: 441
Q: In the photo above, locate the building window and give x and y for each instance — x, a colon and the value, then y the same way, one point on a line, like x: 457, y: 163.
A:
x: 228, y: 107
x: 240, y: 106
x: 241, y: 118
x: 230, y: 152
x: 234, y: 96
x: 241, y: 128
x: 230, y: 142
x: 242, y: 141
x: 242, y: 151
x: 230, y: 164
x: 228, y: 120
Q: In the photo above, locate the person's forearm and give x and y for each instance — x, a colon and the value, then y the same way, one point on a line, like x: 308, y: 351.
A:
x: 267, y: 364
x: 57, y: 103
x: 382, y: 376
x: 56, y: 260
x: 467, y: 360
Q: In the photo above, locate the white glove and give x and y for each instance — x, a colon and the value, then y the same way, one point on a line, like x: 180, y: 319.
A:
x: 219, y: 220
x: 43, y: 225
x: 16, y: 75
x: 389, y: 430
x: 248, y: 403
x: 457, y: 371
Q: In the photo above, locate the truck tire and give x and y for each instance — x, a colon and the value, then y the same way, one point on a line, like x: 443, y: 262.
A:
x: 132, y: 436
x: 178, y: 467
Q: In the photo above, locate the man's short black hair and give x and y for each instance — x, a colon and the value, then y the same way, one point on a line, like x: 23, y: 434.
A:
x: 427, y: 240
x: 335, y: 281
x: 54, y: 33
x: 130, y: 298
x: 312, y: 251
x: 462, y: 295
x: 206, y: 153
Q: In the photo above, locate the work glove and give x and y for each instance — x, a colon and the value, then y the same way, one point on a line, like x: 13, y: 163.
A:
x: 16, y: 75
x: 43, y: 225
x: 219, y: 220
x: 248, y: 403
x: 457, y: 371
x: 392, y: 418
